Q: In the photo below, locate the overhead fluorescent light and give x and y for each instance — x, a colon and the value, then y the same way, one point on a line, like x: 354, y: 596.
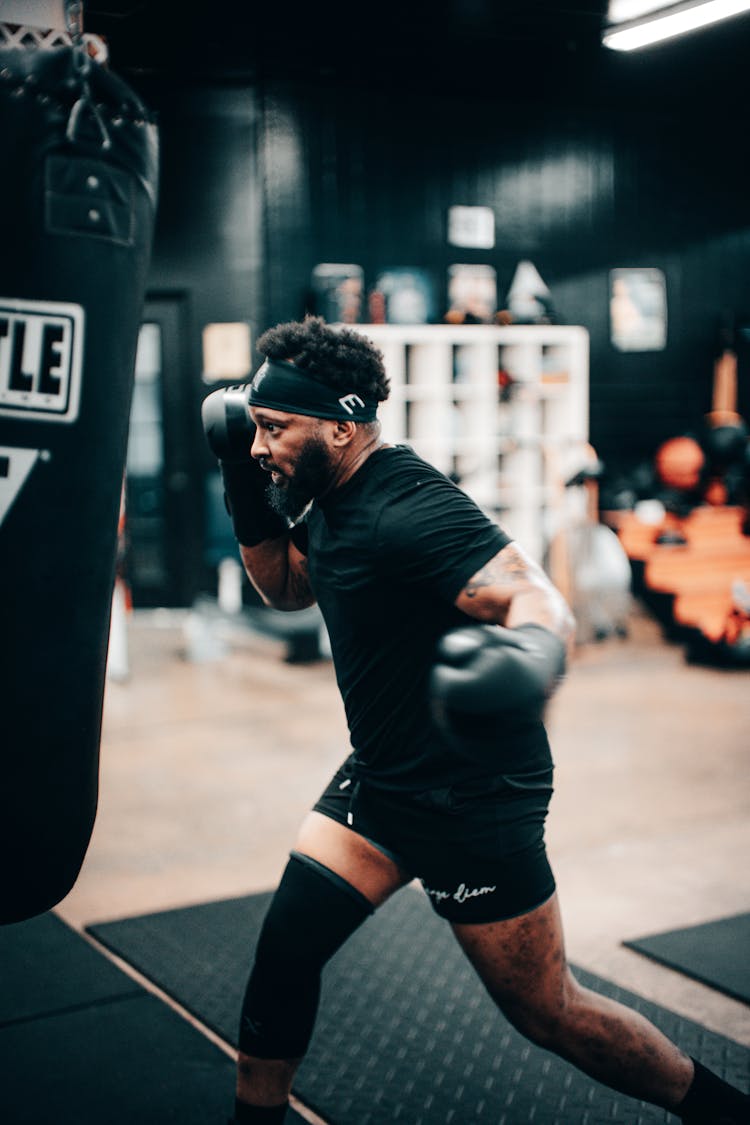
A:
x: 620, y: 11
x: 678, y: 20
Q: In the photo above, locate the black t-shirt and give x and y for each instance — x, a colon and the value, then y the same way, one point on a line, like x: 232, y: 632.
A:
x: 388, y: 554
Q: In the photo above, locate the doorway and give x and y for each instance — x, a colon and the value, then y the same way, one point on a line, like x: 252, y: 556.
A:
x: 162, y: 491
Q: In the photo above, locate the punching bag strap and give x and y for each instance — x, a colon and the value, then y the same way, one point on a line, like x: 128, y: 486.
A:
x: 85, y: 106
x: 74, y: 21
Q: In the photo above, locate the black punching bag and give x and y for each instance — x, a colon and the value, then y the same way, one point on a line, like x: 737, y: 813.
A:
x: 77, y: 204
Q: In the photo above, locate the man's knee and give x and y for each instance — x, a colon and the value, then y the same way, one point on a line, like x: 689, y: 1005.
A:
x: 544, y: 1015
x: 539, y: 1025
x: 311, y: 915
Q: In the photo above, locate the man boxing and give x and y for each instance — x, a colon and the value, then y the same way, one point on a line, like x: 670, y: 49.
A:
x: 447, y: 639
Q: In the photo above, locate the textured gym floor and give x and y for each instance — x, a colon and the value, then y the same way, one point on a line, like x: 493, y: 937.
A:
x: 214, y: 747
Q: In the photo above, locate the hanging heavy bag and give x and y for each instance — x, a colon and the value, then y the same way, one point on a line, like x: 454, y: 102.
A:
x: 77, y: 204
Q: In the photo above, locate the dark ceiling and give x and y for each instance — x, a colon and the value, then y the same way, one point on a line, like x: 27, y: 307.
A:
x: 508, y: 51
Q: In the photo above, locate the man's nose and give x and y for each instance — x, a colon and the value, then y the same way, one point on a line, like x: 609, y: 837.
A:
x: 258, y: 447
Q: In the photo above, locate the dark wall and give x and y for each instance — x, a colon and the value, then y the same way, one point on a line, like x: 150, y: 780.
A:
x: 578, y: 191
x: 261, y: 183
x: 208, y: 261
x: 209, y: 234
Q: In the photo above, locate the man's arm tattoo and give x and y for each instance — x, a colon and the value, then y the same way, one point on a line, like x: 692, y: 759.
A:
x: 510, y: 571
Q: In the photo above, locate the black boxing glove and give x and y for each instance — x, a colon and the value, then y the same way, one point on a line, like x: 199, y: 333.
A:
x: 488, y: 680
x: 230, y: 432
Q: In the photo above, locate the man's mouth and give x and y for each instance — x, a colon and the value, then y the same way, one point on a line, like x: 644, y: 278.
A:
x: 268, y: 467
x: 276, y: 476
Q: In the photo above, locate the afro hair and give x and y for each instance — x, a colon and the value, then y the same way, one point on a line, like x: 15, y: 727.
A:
x: 339, y: 357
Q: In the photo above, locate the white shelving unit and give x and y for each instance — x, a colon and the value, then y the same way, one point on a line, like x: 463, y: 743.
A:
x: 510, y: 451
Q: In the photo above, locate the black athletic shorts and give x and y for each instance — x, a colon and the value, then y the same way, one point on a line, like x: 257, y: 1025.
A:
x: 478, y: 848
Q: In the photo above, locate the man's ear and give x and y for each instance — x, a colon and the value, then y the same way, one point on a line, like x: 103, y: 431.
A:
x: 343, y: 432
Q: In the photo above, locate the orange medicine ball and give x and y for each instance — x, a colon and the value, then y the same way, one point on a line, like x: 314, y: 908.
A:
x: 679, y: 462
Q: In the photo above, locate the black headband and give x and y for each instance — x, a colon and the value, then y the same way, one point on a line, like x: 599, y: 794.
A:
x: 279, y: 385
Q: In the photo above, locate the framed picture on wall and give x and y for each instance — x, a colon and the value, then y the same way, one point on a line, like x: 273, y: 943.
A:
x: 638, y: 310
x: 337, y: 290
x: 409, y: 295
x: 472, y: 294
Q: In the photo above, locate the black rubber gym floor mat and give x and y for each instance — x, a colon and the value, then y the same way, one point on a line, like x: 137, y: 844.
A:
x: 405, y: 1032
x: 715, y: 953
x: 128, y: 1061
x: 81, y: 1043
x: 47, y: 968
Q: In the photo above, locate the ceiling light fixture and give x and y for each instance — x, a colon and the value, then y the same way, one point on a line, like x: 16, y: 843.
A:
x: 623, y: 11
x: 679, y: 19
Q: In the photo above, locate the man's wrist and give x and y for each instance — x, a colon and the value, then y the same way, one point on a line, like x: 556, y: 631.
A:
x: 548, y: 645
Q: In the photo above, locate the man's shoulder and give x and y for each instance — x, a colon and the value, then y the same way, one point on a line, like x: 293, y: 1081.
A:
x: 397, y: 470
x: 409, y: 491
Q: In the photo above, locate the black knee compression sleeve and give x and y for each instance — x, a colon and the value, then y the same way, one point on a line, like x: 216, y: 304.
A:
x: 311, y: 915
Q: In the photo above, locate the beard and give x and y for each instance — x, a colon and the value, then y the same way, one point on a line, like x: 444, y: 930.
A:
x: 311, y: 477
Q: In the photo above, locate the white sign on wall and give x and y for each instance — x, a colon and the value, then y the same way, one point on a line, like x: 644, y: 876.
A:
x: 472, y: 227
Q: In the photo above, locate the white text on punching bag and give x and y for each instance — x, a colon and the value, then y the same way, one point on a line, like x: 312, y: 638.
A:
x: 40, y: 359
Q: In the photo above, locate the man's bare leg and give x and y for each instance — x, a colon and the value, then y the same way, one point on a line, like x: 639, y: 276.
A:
x: 523, y: 966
